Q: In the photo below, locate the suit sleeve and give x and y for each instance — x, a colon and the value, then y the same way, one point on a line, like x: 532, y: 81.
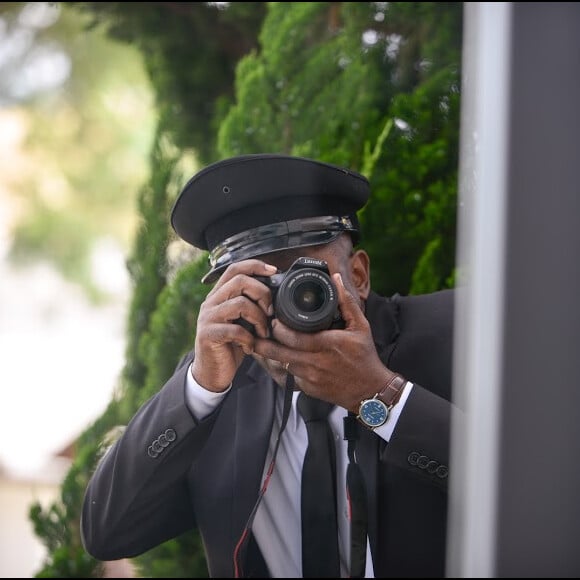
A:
x: 138, y: 495
x: 420, y: 444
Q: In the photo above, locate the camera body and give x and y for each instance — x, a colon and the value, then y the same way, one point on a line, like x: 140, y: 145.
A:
x: 304, y: 296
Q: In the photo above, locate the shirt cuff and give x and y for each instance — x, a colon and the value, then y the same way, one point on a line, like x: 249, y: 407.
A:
x: 385, y: 431
x: 199, y: 400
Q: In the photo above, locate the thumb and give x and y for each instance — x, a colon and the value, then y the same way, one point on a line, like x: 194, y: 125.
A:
x: 349, y: 307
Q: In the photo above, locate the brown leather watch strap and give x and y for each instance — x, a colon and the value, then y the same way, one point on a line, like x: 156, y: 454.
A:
x: 391, y: 394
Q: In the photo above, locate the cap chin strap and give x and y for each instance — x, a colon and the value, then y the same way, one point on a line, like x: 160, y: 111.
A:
x: 274, y: 237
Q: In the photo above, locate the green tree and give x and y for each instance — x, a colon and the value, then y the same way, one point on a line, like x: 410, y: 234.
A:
x: 190, y: 51
x: 316, y: 87
x: 375, y: 87
x: 410, y: 221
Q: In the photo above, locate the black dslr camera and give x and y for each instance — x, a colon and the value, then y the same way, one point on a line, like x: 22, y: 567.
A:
x: 304, y: 297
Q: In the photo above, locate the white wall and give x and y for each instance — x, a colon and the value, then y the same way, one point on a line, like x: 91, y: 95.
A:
x: 21, y: 551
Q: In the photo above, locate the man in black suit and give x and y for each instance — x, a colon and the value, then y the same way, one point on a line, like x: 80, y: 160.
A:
x: 221, y: 446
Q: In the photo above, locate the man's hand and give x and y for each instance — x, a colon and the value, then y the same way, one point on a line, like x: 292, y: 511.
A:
x: 340, y: 366
x: 220, y: 343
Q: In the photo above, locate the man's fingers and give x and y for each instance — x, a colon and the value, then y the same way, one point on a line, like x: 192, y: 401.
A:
x: 350, y: 310
x: 243, y: 284
x: 243, y: 311
x: 247, y: 267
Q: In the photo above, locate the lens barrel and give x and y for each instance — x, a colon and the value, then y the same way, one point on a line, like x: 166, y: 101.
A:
x: 306, y: 300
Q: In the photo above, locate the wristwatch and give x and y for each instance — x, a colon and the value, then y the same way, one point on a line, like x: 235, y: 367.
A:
x: 374, y: 412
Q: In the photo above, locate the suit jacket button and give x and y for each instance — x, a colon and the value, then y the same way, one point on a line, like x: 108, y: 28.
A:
x: 413, y: 457
x: 432, y: 466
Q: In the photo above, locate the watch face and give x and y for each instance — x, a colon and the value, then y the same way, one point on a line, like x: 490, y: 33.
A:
x: 373, y: 412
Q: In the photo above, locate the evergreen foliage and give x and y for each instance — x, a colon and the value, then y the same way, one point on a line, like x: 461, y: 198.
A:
x: 329, y: 79
x: 415, y: 191
x: 190, y: 51
x: 374, y: 86
x: 148, y: 265
x: 172, y: 326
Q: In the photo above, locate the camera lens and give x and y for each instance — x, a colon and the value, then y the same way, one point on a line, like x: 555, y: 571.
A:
x: 306, y: 300
x: 308, y: 296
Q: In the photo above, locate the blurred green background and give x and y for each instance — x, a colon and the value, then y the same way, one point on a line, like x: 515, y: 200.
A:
x: 77, y: 121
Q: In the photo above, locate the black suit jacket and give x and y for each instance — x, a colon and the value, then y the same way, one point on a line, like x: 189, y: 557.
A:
x: 169, y: 473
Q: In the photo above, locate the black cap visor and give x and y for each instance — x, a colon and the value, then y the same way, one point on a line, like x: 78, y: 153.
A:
x: 270, y: 238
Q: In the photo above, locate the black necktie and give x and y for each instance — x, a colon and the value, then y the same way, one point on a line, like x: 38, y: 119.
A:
x: 320, y: 557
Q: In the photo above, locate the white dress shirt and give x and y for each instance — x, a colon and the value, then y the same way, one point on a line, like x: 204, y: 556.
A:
x: 277, y: 523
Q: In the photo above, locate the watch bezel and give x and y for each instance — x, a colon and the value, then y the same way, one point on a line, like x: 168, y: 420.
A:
x: 375, y: 401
